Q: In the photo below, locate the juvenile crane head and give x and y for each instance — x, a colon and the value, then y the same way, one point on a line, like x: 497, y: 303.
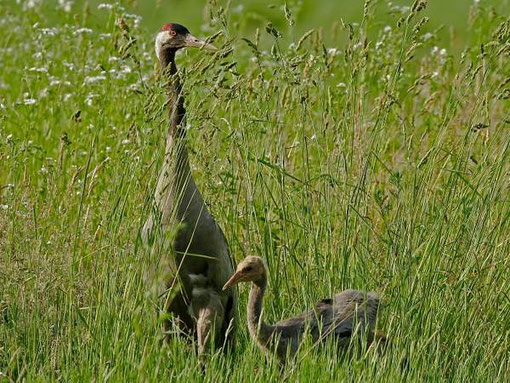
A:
x: 252, y: 269
x: 173, y: 37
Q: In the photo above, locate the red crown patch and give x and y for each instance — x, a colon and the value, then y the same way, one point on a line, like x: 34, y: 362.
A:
x: 167, y: 27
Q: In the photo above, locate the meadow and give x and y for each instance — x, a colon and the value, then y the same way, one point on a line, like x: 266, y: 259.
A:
x: 370, y: 153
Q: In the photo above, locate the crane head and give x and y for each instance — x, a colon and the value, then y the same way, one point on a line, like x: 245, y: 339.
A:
x: 251, y: 269
x: 174, y: 36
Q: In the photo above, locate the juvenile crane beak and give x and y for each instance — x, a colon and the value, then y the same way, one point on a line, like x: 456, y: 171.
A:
x: 236, y: 278
x: 192, y: 41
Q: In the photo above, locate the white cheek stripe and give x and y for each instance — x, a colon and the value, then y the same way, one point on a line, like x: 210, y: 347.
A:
x: 161, y: 38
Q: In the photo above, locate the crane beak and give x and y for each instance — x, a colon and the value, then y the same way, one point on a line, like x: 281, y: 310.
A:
x: 234, y: 279
x: 192, y: 41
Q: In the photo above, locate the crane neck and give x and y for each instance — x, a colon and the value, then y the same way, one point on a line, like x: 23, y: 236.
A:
x: 177, y: 111
x: 259, y: 330
x: 176, y: 188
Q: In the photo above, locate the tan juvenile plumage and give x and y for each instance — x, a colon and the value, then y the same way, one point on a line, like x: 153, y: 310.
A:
x: 340, y: 317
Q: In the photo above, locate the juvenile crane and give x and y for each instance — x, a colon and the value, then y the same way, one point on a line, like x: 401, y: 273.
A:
x: 200, y: 250
x: 338, y: 317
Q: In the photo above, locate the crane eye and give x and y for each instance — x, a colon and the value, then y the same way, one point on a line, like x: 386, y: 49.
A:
x: 172, y: 32
x: 247, y: 269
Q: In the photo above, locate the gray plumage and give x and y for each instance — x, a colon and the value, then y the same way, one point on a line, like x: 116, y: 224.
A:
x: 348, y: 313
x: 200, y: 250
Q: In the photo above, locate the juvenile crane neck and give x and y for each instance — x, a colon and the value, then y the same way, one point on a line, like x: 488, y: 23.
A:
x: 259, y: 330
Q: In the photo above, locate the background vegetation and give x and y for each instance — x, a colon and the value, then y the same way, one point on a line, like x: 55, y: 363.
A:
x: 369, y: 153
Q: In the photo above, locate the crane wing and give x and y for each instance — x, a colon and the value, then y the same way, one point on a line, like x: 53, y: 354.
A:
x: 339, y: 316
x: 350, y: 309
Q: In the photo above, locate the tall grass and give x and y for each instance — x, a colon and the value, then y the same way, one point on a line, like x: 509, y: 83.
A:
x: 381, y: 164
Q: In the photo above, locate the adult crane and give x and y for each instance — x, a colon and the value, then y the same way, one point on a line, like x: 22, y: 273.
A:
x: 199, y: 247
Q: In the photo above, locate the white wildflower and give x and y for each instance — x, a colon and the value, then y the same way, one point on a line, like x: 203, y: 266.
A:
x: 68, y: 65
x: 136, y: 18
x: 387, y: 29
x: 113, y: 59
x: 105, y: 6
x: 427, y: 36
x: 90, y: 97
x: 401, y: 9
x: 341, y: 85
x: 29, y: 101
x: 105, y: 35
x: 49, y: 31
x: 65, y: 5
x: 39, y: 70
x: 4, y: 207
x: 93, y: 79
x: 67, y: 96
x: 125, y: 69
x: 30, y: 4
x: 238, y: 9
x: 2, y: 106
x: 82, y: 31
x: 333, y: 51
x: 44, y: 170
